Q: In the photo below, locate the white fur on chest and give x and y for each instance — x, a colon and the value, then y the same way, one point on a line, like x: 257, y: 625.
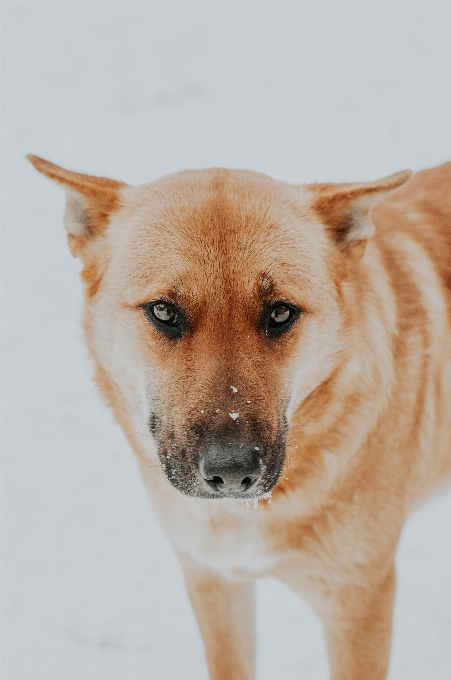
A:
x: 226, y: 536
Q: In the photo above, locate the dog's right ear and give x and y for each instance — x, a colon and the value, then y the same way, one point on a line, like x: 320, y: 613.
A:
x: 90, y: 202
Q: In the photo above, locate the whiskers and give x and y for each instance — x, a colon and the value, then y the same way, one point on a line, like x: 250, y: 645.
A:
x: 129, y: 403
x: 144, y: 432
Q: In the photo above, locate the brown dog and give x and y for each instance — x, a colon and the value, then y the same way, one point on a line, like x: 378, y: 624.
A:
x: 275, y: 346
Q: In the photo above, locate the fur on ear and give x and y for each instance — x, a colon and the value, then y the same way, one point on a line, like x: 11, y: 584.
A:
x: 90, y: 200
x: 90, y: 204
x: 345, y: 208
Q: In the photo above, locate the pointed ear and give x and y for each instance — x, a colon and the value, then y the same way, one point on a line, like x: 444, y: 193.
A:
x: 90, y: 202
x: 345, y: 208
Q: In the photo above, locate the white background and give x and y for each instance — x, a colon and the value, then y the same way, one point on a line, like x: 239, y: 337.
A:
x: 303, y: 91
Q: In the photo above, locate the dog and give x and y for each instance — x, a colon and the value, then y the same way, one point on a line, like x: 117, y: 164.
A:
x: 279, y: 357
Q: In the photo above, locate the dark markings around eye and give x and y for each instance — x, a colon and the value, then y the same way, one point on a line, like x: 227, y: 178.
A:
x: 166, y: 317
x: 279, y: 317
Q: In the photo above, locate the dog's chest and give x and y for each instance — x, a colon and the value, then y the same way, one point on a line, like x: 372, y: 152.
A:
x: 230, y: 540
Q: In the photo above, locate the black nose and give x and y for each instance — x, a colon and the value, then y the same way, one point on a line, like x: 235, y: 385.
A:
x: 231, y: 469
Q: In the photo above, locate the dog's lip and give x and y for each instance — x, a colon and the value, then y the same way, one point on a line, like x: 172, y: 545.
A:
x: 253, y: 494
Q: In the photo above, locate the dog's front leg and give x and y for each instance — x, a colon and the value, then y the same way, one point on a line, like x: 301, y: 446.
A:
x: 225, y: 612
x: 358, y: 628
x: 357, y: 619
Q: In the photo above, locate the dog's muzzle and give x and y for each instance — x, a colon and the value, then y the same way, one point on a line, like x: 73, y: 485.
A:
x: 231, y: 470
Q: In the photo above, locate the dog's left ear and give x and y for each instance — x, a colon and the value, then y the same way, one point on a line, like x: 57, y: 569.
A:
x: 345, y: 208
x: 90, y: 202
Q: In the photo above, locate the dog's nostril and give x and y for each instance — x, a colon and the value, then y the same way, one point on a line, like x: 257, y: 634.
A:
x: 246, y: 483
x: 216, y: 482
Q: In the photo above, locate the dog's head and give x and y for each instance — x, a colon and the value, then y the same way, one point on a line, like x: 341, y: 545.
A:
x: 213, y: 310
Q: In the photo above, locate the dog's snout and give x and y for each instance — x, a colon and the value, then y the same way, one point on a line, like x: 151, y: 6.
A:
x: 231, y: 469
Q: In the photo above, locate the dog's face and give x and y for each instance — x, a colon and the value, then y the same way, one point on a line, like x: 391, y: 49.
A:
x: 213, y: 311
x: 222, y: 310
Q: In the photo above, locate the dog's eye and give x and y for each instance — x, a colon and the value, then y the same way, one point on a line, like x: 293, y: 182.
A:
x: 279, y: 315
x: 166, y: 317
x: 164, y: 313
x: 279, y: 318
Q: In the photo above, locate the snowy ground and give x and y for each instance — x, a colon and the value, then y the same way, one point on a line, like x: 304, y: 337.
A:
x: 303, y: 91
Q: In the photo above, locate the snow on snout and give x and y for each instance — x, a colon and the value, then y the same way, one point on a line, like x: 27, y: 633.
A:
x: 234, y: 415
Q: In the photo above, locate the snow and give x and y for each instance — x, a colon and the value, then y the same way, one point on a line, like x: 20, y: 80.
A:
x: 304, y: 91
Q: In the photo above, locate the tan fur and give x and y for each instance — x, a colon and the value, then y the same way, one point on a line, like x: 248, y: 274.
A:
x: 356, y: 395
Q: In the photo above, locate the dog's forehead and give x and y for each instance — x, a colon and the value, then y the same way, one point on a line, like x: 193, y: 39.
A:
x: 204, y: 226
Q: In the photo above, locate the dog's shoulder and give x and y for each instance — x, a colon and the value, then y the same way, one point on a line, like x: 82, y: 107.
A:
x: 421, y: 209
